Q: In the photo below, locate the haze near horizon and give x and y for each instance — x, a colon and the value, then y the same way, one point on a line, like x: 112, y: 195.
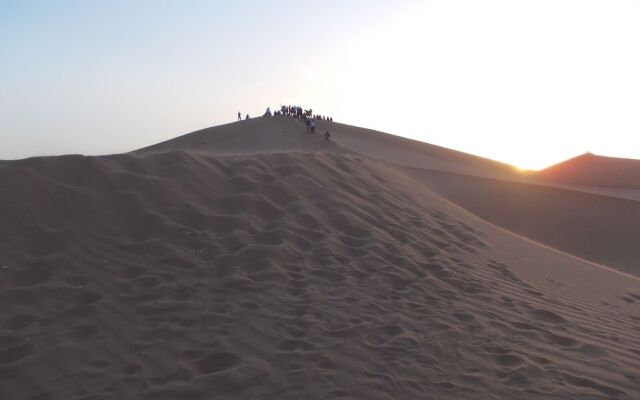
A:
x: 527, y: 83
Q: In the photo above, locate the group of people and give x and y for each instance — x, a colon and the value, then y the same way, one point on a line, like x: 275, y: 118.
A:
x: 298, y: 112
x: 292, y: 111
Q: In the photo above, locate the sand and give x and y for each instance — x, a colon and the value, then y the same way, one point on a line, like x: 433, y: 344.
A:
x: 593, y: 170
x: 251, y: 261
x: 599, y: 228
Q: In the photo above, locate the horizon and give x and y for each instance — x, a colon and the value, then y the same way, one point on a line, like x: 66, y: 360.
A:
x: 359, y: 127
x: 527, y: 84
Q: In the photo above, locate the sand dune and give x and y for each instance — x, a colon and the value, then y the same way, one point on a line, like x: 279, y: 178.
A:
x: 412, y: 153
x: 251, y: 261
x: 598, y: 228
x: 279, y: 134
x: 592, y: 170
x: 607, y: 176
x: 257, y: 135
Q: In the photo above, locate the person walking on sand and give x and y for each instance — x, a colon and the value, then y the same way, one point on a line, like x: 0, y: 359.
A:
x: 327, y: 137
x: 239, y: 116
x: 313, y: 126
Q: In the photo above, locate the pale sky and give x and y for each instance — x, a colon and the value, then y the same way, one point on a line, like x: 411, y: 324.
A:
x: 529, y: 83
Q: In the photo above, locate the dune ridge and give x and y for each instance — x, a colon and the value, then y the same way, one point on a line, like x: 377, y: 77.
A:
x: 598, y: 228
x: 593, y: 170
x: 286, y: 269
x: 282, y: 134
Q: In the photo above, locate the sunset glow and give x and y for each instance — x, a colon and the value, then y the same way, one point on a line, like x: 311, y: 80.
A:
x: 528, y: 83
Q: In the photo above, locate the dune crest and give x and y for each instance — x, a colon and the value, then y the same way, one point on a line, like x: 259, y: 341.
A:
x: 593, y: 170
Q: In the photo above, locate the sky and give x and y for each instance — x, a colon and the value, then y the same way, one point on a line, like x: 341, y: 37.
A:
x: 530, y: 83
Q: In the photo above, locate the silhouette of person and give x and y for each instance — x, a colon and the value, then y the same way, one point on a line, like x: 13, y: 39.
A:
x: 327, y: 137
x: 247, y: 117
x: 239, y: 116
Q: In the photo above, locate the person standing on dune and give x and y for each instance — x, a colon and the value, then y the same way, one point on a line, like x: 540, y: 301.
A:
x: 239, y: 116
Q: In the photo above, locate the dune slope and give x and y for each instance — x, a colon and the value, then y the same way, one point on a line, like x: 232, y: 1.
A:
x: 281, y: 134
x: 602, y: 229
x: 592, y: 170
x: 257, y: 135
x: 295, y: 275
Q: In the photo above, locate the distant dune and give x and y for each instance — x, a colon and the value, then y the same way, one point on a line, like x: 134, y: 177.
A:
x: 592, y: 170
x: 602, y: 229
x: 253, y: 261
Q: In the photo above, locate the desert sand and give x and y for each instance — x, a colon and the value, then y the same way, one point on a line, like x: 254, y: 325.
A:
x: 252, y: 261
x: 593, y: 170
x: 602, y: 228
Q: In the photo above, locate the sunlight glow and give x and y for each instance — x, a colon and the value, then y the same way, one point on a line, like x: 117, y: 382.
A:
x: 529, y: 83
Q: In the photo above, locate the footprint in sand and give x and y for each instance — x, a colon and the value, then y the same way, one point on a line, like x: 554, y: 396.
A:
x: 628, y: 299
x: 146, y: 282
x: 132, y: 369
x: 293, y: 345
x: 547, y: 316
x: 216, y: 362
x: 30, y: 276
x: 87, y: 298
x: 75, y: 280
x: 130, y: 272
x: 15, y: 353
x: 227, y: 373
x: 464, y: 317
x: 508, y: 360
x: 562, y: 340
x: 18, y: 322
x: 83, y: 333
x: 250, y: 306
x: 101, y: 364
